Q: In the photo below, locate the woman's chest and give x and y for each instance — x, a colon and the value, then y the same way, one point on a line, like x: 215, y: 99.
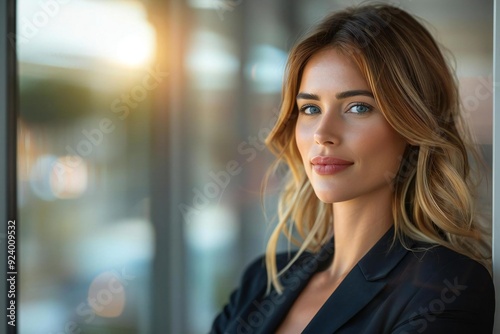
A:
x: 307, y: 305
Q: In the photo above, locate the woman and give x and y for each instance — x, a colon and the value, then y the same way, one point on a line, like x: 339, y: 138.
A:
x: 379, y: 195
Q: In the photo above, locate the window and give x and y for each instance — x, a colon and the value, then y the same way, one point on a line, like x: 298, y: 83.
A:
x: 140, y: 149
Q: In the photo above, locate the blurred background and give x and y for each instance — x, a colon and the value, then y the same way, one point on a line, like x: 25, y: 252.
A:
x: 140, y: 149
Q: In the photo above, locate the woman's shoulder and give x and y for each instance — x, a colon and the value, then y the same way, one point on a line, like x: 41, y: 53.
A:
x: 434, y: 271
x: 444, y: 289
x: 253, y: 281
x: 439, y: 260
x: 257, y: 267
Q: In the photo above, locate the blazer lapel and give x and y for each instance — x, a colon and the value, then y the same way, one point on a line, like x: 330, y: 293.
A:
x: 294, y: 281
x: 349, y: 298
x: 359, y: 287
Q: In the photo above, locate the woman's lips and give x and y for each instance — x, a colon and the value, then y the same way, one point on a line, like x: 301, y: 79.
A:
x: 323, y: 165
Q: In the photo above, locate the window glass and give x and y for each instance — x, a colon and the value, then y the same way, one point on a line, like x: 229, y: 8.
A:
x: 86, y: 74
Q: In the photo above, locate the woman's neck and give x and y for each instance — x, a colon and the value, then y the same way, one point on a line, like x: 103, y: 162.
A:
x: 358, y: 225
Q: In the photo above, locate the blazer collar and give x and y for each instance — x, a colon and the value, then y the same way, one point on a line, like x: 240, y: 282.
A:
x: 383, y: 256
x: 357, y: 289
x: 360, y: 286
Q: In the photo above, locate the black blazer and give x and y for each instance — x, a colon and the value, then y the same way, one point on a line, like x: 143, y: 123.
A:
x: 390, y: 290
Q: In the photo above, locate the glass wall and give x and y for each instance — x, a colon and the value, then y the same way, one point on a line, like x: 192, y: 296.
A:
x: 86, y: 77
x: 141, y: 149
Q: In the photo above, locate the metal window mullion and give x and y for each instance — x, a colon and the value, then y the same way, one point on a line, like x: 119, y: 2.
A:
x: 496, y: 161
x: 8, y: 147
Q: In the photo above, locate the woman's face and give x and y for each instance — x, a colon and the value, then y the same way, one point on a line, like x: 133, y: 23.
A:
x: 348, y: 148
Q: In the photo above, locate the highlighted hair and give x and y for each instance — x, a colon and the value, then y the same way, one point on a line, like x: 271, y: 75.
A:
x: 418, y: 95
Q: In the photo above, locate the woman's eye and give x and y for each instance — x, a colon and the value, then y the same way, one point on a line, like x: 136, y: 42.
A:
x: 360, y: 109
x: 310, y: 110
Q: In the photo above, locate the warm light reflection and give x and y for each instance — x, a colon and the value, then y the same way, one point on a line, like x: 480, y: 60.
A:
x: 136, y: 49
x: 26, y: 153
x: 64, y: 177
x: 107, y: 295
x: 69, y: 177
x: 84, y: 31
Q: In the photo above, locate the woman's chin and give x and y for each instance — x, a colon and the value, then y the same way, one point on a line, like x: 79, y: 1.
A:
x: 329, y: 197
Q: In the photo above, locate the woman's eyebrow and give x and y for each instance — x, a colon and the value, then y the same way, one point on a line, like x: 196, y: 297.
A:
x: 307, y: 96
x: 350, y: 93
x: 339, y: 96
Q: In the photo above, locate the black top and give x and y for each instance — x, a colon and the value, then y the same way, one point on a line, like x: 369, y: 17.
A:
x: 390, y: 290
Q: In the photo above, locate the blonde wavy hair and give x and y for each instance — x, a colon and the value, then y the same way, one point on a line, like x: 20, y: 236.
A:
x: 418, y: 95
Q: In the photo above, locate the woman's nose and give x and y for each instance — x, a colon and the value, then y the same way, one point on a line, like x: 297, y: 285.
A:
x: 326, y: 132
x: 322, y: 139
